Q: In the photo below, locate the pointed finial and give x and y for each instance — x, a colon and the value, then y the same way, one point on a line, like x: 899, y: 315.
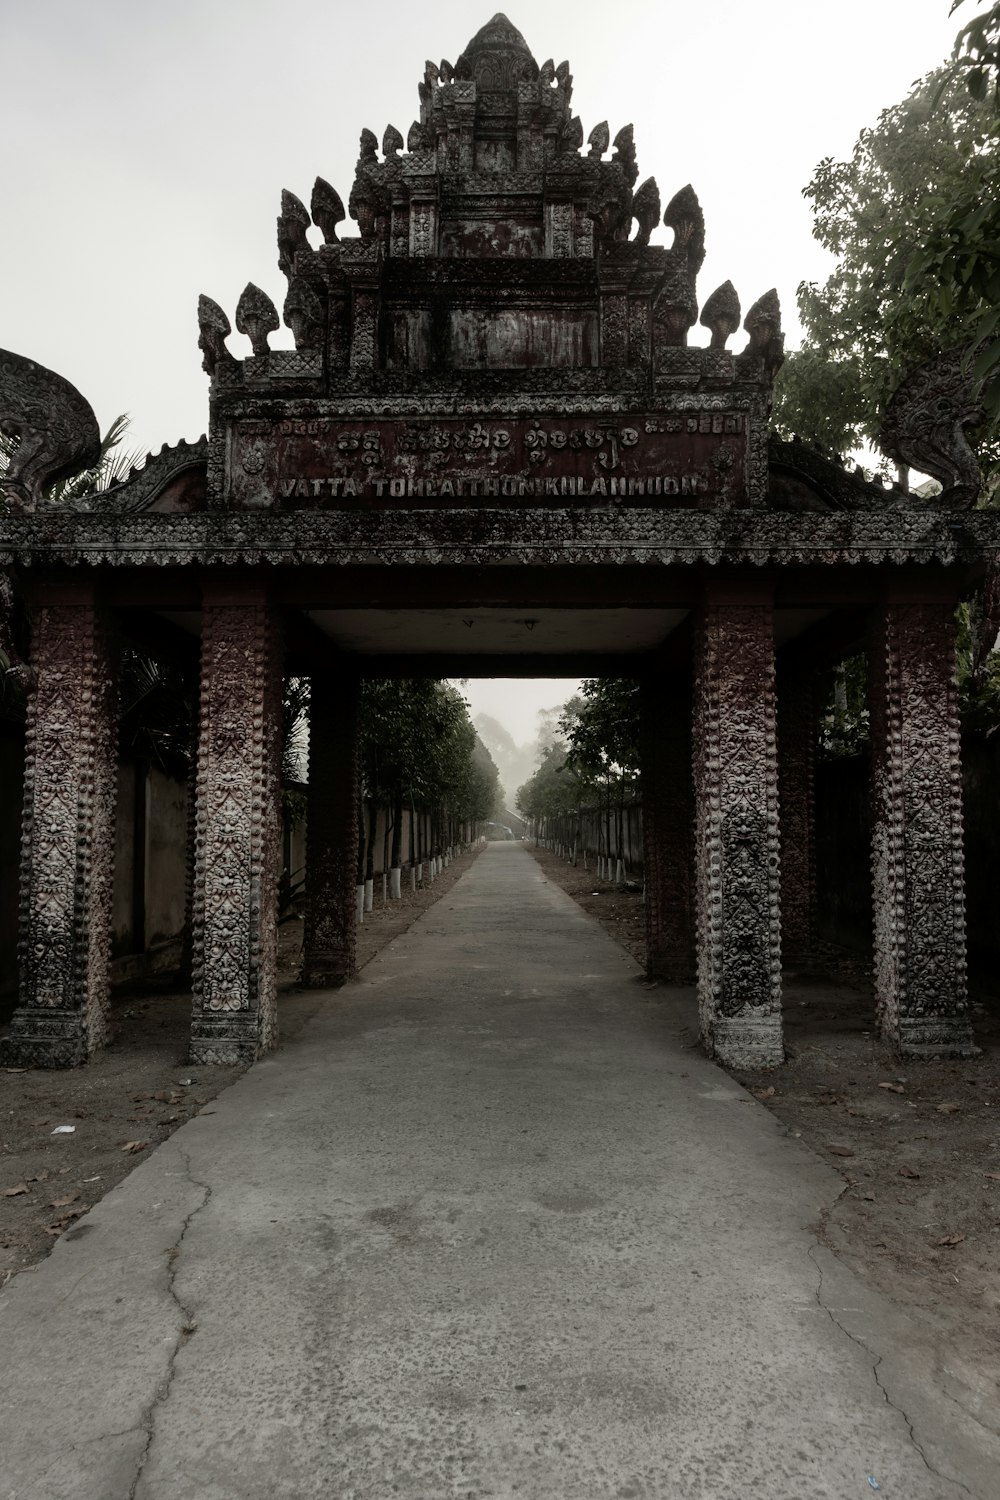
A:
x: 721, y: 314
x: 646, y: 209
x: 562, y: 72
x: 763, y: 324
x: 303, y: 313
x: 256, y: 316
x: 327, y: 209
x: 369, y: 147
x: 547, y: 72
x: 763, y: 320
x: 684, y: 216
x: 624, y: 157
x: 599, y: 139
x: 572, y: 138
x: 213, y: 330
x: 447, y: 71
x: 392, y: 142
x: 293, y: 222
x: 415, y: 137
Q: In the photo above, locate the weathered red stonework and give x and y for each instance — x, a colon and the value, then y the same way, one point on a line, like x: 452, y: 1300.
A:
x: 917, y: 854
x: 68, y: 835
x: 668, y: 826
x: 495, y: 400
x: 796, y: 781
x: 237, y: 828
x: 332, y: 832
x: 737, y: 845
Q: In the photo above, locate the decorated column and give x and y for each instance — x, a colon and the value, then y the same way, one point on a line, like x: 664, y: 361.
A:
x: 237, y: 828
x: 922, y: 1002
x: 796, y: 785
x: 331, y: 832
x: 668, y: 826
x: 67, y: 851
x: 737, y: 852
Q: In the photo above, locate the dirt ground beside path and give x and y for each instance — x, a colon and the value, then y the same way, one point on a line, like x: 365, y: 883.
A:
x: 137, y: 1092
x: 917, y: 1144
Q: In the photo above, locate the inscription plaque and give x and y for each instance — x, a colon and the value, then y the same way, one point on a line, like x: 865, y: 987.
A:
x: 687, y: 458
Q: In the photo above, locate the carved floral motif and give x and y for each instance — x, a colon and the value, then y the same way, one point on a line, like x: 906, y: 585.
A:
x: 237, y: 833
x: 67, y: 859
x: 917, y: 854
x: 737, y: 849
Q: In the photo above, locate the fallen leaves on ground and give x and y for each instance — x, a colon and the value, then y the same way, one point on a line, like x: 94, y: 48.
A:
x: 840, y: 1150
x: 895, y: 1088
x: 767, y: 1093
x: 133, y: 1146
x: 951, y: 1239
x: 908, y: 1172
x: 64, y: 1202
x: 16, y: 1190
x: 947, y: 1109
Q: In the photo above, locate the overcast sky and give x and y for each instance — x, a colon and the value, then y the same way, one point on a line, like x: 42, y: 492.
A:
x: 145, y: 147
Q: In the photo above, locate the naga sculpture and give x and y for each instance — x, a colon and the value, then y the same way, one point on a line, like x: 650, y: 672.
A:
x: 925, y: 421
x: 55, y: 427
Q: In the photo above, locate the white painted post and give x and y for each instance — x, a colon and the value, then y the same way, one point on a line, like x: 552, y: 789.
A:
x: 395, y: 877
x: 369, y: 894
x: 359, y: 903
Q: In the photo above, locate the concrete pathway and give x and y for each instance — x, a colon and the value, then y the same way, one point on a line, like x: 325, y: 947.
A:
x: 487, y: 1227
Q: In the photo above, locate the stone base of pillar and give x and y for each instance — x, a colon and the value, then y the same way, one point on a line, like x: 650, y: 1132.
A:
x: 327, y: 971
x: 43, y: 1038
x: 747, y: 1041
x: 228, y: 1039
x: 929, y: 1037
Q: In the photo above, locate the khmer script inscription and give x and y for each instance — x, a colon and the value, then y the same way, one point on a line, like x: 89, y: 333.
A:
x: 686, y: 458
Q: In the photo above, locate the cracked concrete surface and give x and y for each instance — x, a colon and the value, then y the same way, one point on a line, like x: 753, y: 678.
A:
x: 487, y: 1227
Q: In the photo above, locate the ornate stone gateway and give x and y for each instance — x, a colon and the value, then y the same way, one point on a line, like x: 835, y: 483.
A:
x: 492, y: 449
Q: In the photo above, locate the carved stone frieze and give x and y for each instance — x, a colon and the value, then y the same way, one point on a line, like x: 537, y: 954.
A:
x: 237, y: 830
x: 63, y: 1013
x: 917, y: 853
x: 599, y: 531
x: 737, y: 844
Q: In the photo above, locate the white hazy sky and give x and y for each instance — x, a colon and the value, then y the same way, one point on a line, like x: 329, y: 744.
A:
x: 145, y: 147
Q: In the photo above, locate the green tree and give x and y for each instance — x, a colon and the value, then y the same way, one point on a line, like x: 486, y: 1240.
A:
x: 957, y: 270
x: 869, y: 324
x: 553, y: 790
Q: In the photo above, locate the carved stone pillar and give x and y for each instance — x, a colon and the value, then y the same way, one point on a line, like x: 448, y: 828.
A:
x: 737, y: 857
x: 67, y: 852
x: 668, y: 826
x: 922, y: 1002
x: 796, y: 796
x: 238, y: 829
x: 331, y: 832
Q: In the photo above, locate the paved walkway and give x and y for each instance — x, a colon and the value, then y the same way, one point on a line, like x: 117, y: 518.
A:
x: 487, y: 1227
